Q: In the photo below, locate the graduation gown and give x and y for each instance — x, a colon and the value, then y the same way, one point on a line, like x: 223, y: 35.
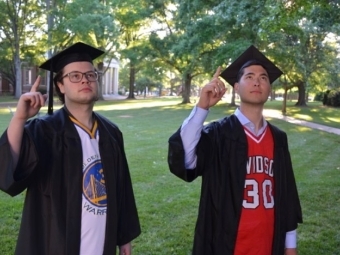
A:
x: 222, y: 155
x: 50, y: 168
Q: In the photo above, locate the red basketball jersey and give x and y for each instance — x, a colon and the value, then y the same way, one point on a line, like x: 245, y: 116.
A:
x: 256, y: 227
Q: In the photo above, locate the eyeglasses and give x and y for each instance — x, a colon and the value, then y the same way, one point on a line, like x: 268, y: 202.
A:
x: 78, y: 76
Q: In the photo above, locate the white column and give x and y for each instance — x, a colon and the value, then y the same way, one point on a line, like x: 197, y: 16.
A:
x: 115, y: 81
x: 110, y: 79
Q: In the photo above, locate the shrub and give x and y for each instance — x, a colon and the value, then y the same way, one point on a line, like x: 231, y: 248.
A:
x: 42, y: 91
x: 333, y: 98
x: 325, y: 97
x: 319, y: 96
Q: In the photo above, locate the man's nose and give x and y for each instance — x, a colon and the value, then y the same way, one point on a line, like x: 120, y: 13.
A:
x: 256, y: 82
x: 84, y: 79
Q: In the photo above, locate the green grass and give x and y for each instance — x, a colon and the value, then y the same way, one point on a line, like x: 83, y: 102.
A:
x: 167, y: 206
x: 313, y: 112
x: 7, y: 98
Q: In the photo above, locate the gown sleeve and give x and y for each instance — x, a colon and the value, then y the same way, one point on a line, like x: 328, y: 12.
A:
x: 129, y: 226
x: 294, y: 210
x: 119, y: 187
x: 14, y: 181
x: 204, y: 149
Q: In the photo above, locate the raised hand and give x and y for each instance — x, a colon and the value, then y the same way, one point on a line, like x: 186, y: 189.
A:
x: 212, y: 92
x: 30, y: 103
x: 28, y: 106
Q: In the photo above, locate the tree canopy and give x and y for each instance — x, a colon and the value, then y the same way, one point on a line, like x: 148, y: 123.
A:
x: 160, y: 41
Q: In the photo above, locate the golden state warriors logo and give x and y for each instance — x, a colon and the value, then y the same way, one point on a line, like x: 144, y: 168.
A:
x: 94, y: 184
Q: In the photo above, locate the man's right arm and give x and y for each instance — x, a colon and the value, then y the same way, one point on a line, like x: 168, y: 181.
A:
x: 14, y: 133
x: 191, y: 133
x: 182, y: 144
x: 28, y: 106
x: 191, y: 128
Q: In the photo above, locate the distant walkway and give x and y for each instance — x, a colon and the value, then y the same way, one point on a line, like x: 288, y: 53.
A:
x: 114, y: 97
x: 278, y: 115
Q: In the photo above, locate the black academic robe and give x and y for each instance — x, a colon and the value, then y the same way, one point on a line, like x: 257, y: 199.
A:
x: 221, y: 161
x: 50, y: 168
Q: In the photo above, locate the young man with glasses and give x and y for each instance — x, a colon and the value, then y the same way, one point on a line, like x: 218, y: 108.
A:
x: 72, y: 163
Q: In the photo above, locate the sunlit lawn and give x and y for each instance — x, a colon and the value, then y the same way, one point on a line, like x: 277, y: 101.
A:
x: 168, y: 206
x: 314, y: 112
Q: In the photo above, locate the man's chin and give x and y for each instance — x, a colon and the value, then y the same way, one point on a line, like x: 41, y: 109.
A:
x: 255, y: 102
x: 88, y: 100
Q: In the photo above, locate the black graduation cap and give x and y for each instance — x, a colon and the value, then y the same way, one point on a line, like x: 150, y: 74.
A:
x: 252, y: 53
x: 75, y: 53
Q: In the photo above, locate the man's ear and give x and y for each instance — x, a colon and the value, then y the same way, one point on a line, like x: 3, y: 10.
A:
x: 61, y: 87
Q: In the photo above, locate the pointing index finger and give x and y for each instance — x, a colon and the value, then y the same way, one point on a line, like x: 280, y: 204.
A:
x: 217, y: 73
x: 36, y: 84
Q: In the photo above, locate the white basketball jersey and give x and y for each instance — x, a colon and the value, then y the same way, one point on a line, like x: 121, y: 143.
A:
x: 94, y: 201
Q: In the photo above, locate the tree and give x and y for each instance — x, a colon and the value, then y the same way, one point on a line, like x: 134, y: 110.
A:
x: 145, y: 84
x: 202, y: 35
x: 94, y: 24
x: 19, y: 26
x: 133, y: 29
x: 297, y: 41
x: 239, y: 27
x: 179, y: 47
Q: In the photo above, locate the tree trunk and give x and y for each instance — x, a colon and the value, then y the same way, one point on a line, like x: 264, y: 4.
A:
x: 173, y: 81
x: 132, y: 81
x: 18, y: 77
x: 272, y: 95
x: 172, y: 87
x: 284, y: 103
x: 100, y: 81
x: 50, y: 24
x: 233, y: 95
x: 186, y: 89
x: 302, y: 94
x: 159, y: 91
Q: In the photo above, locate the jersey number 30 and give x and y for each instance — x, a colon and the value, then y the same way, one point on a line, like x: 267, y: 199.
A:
x: 252, y: 196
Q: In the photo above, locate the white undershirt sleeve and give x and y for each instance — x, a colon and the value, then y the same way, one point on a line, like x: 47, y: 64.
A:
x: 291, y: 239
x: 191, y: 133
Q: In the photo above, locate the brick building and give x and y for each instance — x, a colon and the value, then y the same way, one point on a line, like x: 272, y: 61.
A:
x: 29, y: 74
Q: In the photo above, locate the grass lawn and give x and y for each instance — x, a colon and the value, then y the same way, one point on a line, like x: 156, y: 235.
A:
x: 168, y: 206
x: 313, y: 112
